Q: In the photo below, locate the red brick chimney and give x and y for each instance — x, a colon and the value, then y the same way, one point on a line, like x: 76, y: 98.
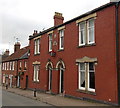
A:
x: 16, y: 46
x: 35, y: 32
x: 58, y: 19
x: 6, y: 52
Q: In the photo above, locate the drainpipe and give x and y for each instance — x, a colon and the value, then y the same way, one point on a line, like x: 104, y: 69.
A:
x: 17, y: 75
x: 117, y: 50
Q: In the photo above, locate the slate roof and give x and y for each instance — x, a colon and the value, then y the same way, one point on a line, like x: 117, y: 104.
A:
x: 20, y: 54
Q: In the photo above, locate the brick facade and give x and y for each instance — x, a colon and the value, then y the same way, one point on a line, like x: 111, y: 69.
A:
x: 104, y: 49
x: 59, y: 71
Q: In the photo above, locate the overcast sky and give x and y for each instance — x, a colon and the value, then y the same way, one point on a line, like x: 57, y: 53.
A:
x: 18, y: 18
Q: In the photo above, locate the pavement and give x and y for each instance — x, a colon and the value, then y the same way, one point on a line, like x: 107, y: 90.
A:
x: 55, y: 100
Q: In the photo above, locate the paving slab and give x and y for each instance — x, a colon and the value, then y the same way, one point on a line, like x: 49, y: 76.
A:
x: 55, y: 100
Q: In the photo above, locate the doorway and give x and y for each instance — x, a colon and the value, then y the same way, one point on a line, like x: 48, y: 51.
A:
x: 49, y: 79
x: 10, y: 77
x: 61, y: 81
x: 26, y: 85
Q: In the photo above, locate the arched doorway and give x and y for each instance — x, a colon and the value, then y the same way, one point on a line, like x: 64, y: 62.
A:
x: 49, y: 67
x: 61, y: 68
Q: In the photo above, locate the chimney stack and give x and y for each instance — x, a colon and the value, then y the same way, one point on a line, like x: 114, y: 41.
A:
x: 58, y: 19
x: 16, y: 46
x: 6, y: 52
x: 35, y: 32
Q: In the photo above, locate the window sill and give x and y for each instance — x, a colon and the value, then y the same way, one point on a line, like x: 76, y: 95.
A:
x: 60, y: 50
x: 36, y: 54
x: 35, y: 81
x: 87, y: 45
x: 86, y: 92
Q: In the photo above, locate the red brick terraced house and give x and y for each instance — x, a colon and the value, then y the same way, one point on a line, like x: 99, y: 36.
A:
x: 79, y: 58
x: 15, y: 68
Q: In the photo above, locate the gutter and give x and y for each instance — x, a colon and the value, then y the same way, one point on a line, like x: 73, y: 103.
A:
x: 117, y: 50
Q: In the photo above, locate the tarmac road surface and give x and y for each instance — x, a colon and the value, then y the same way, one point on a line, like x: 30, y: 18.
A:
x: 11, y: 99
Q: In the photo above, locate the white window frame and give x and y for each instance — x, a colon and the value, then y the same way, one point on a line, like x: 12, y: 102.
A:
x: 10, y: 66
x: 79, y: 70
x: 50, y: 41
x: 87, y: 86
x: 13, y: 65
x: 2, y: 66
x: 5, y: 66
x: 61, y: 35
x: 37, y: 46
x: 36, y: 73
x: 90, y: 89
x: 91, y: 28
x: 84, y: 33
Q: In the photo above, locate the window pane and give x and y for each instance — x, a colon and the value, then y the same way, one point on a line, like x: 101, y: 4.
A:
x: 62, y: 42
x: 82, y: 66
x: 82, y: 81
x: 91, y: 66
x: 91, y: 35
x: 82, y: 37
x: 82, y: 26
x: 91, y: 22
x: 91, y: 76
x: 82, y: 33
x: 82, y: 75
x: 92, y: 80
x: 50, y: 42
x: 91, y: 30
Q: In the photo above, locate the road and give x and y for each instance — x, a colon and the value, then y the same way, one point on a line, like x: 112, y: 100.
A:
x: 11, y: 99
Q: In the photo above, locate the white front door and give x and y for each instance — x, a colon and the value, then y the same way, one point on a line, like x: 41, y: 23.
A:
x: 10, y: 77
x: 18, y: 81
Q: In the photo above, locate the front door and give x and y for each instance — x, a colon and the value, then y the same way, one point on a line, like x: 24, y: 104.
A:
x: 61, y: 84
x: 50, y: 79
x: 26, y: 81
x: 10, y: 77
x: 18, y: 81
